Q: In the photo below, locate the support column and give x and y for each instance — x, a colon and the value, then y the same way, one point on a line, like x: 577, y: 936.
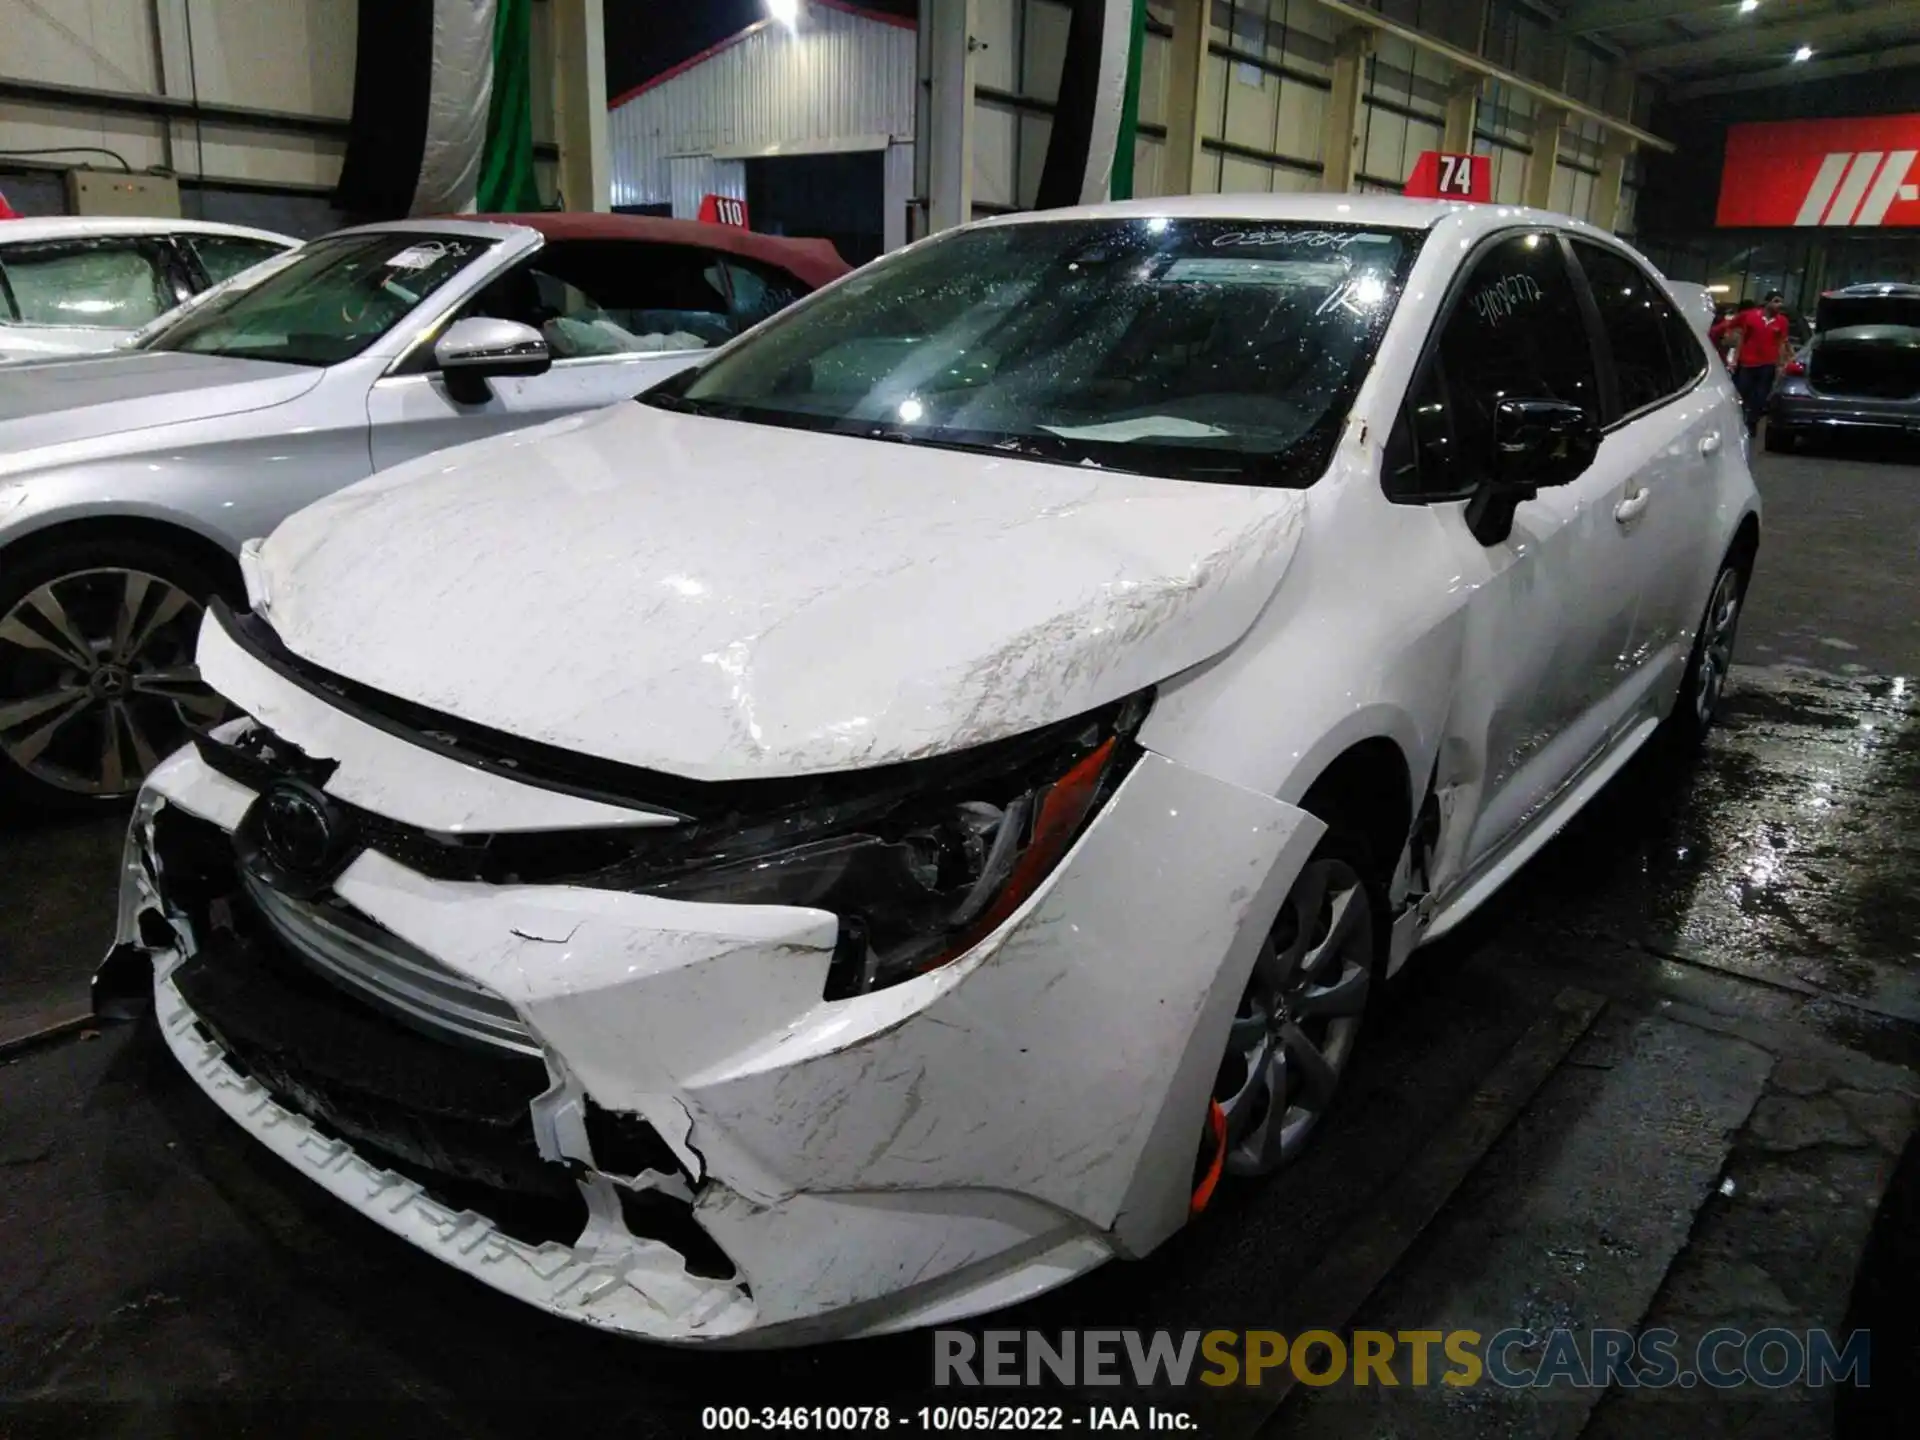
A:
x: 945, y: 134
x: 1463, y: 105
x: 1614, y: 150
x: 1536, y: 186
x: 1186, y: 97
x: 1339, y: 130
x: 580, y: 98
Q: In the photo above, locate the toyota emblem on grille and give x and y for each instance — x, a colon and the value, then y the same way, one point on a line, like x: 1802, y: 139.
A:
x: 295, y: 837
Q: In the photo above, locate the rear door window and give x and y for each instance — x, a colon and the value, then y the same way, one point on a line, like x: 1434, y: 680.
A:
x: 1641, y: 326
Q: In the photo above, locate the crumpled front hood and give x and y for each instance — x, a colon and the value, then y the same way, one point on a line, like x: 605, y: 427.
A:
x: 722, y: 600
x: 51, y: 402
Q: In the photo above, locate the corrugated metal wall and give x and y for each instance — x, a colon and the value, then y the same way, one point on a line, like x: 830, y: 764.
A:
x: 1267, y: 84
x: 837, y: 81
x: 845, y: 78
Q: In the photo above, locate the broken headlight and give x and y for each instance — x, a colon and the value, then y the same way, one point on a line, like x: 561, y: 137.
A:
x: 926, y: 863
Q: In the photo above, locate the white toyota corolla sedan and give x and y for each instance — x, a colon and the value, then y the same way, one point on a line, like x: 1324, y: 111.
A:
x: 877, y: 827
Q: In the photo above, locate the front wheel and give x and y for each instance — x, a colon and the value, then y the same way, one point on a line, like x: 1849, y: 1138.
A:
x: 97, y: 680
x: 1299, y: 1019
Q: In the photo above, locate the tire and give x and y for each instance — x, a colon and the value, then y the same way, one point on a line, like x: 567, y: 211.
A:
x: 97, y: 683
x: 1705, y: 680
x: 1323, y: 961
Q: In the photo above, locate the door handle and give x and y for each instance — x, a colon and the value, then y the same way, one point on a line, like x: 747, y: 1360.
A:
x: 1628, y: 510
x: 1710, y: 443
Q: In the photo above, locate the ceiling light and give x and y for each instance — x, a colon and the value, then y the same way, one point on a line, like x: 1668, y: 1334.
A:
x: 787, y: 12
x: 1747, y: 7
x: 1805, y: 52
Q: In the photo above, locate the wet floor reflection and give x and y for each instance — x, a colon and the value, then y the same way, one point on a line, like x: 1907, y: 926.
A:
x: 1788, y: 849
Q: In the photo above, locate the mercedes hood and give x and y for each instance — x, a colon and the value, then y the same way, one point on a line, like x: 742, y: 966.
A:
x: 722, y: 600
x: 51, y: 402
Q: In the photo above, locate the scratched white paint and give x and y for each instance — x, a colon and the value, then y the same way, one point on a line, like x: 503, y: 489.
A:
x: 816, y: 602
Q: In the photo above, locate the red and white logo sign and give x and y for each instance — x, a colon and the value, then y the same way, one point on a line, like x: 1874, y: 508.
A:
x: 1438, y: 175
x: 723, y: 210
x: 1822, y: 172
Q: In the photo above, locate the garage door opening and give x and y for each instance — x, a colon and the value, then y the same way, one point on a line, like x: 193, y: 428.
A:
x: 838, y: 197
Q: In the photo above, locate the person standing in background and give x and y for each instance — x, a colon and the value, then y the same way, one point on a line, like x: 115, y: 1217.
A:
x: 1761, y: 331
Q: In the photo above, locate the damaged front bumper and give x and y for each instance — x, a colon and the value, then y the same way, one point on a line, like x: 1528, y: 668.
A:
x: 657, y: 1124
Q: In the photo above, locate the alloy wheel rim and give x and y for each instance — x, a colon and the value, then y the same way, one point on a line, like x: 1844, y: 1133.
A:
x: 97, y: 680
x: 1295, y: 1027
x: 1716, y: 644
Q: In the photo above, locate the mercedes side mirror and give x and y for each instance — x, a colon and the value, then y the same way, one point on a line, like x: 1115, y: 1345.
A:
x: 1536, y: 443
x: 478, y: 348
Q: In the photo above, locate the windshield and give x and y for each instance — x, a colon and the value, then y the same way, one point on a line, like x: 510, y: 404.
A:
x: 1199, y: 349
x: 326, y: 303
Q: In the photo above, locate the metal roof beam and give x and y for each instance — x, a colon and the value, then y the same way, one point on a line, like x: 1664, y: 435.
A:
x: 1753, y: 42
x: 1467, y: 60
x: 1889, y: 59
x: 1586, y: 17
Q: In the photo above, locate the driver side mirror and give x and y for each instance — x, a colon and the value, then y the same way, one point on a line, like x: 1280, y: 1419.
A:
x: 476, y: 349
x: 1536, y: 443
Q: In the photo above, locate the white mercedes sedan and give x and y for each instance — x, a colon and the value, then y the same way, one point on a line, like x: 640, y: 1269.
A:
x: 72, y: 284
x: 900, y: 814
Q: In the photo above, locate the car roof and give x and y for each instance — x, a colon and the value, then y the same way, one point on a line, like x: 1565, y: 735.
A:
x: 1874, y: 288
x: 813, y: 261
x: 87, y: 227
x: 1385, y: 211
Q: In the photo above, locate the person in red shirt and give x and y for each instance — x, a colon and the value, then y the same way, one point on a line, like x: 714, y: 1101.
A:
x: 1761, y: 331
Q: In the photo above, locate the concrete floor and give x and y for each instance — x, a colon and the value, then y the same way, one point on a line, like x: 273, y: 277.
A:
x: 1667, y: 1078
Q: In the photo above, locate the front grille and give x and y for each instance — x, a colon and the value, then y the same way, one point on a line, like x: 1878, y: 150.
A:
x: 456, y: 1111
x: 423, y: 1071
x: 395, y: 976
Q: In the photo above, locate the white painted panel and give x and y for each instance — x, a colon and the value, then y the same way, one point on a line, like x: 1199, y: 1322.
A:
x: 996, y: 26
x: 1290, y: 181
x: 1241, y: 177
x: 691, y: 178
x: 1154, y: 54
x: 1147, y: 155
x: 1307, y: 18
x: 995, y: 151
x: 897, y: 196
x: 1045, y: 44
x: 1252, y: 111
x: 295, y: 56
x: 1302, y: 110
x: 1035, y: 132
x: 1213, y: 118
x: 1386, y: 144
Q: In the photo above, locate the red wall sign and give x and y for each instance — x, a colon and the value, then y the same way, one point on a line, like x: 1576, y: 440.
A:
x: 1440, y: 176
x: 723, y: 210
x: 1822, y: 172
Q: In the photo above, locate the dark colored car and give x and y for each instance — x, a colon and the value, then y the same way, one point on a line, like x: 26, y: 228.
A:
x: 1859, y: 373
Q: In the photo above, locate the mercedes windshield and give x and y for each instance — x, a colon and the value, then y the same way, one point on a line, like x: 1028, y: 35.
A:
x: 326, y: 303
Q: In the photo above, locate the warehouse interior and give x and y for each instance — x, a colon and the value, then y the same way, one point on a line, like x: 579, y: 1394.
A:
x: 451, y: 362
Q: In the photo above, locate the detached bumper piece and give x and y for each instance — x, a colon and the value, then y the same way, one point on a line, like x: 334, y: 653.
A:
x: 412, y: 1103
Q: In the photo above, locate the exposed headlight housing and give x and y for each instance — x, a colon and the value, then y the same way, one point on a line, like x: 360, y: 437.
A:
x: 919, y: 873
